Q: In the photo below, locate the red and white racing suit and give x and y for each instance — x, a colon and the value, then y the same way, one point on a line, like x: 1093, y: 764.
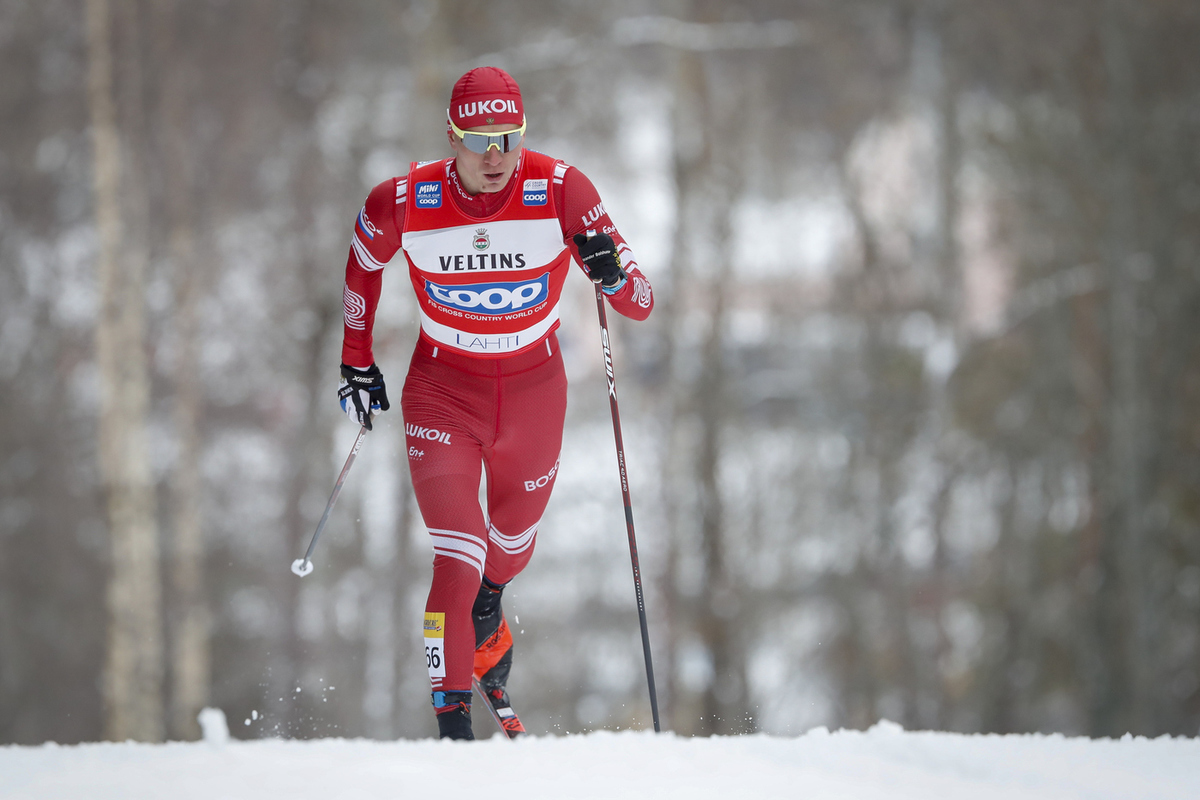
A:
x: 486, y: 382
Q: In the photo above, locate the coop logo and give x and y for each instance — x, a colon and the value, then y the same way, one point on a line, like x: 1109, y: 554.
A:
x: 535, y: 192
x: 429, y: 194
x: 492, y: 299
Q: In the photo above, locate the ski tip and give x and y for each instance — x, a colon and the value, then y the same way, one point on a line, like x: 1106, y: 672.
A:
x: 302, y: 566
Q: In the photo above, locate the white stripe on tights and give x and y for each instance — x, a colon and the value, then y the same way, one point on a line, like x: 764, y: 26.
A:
x: 460, y: 546
x: 514, y: 544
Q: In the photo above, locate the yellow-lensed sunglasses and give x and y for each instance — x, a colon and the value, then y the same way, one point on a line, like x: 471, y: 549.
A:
x: 480, y: 143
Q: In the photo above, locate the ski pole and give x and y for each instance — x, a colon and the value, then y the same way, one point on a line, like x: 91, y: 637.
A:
x: 637, y: 572
x: 303, y: 566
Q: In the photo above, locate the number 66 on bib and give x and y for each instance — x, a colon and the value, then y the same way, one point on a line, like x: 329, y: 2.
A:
x: 435, y: 639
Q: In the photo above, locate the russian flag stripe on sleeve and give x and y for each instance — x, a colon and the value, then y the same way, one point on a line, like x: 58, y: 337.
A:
x: 365, y: 227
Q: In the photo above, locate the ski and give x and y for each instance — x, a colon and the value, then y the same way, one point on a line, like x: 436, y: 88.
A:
x: 501, y: 711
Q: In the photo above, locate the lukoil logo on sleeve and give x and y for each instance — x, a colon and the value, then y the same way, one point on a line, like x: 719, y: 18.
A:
x: 535, y: 192
x: 429, y: 194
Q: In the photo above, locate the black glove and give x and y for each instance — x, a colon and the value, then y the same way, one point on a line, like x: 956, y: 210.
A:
x: 362, y: 391
x: 599, y: 255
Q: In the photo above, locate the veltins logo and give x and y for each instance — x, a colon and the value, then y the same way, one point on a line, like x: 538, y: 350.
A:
x: 429, y: 194
x: 535, y: 192
x: 492, y: 299
x: 481, y: 240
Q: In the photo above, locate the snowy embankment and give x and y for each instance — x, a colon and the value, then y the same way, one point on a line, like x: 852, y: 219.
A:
x: 884, y: 762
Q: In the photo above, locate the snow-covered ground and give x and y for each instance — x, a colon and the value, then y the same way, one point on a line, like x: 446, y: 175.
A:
x: 884, y: 762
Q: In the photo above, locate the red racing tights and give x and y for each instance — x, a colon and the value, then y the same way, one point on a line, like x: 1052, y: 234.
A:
x: 506, y: 413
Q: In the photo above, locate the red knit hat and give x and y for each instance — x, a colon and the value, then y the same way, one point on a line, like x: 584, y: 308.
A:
x: 486, y: 96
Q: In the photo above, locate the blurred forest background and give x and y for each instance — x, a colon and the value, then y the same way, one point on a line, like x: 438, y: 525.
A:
x: 913, y: 433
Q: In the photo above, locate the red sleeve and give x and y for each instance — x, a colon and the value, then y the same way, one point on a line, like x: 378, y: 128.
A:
x: 376, y: 239
x: 579, y: 210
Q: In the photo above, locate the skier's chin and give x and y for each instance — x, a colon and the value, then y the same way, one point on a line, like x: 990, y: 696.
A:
x: 493, y: 181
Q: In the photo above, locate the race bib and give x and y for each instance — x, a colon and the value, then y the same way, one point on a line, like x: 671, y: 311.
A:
x: 435, y: 643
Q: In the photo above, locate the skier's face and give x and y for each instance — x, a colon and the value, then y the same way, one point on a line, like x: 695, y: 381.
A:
x: 488, y: 172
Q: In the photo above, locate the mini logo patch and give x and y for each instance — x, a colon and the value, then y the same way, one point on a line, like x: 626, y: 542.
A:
x: 481, y: 240
x: 429, y: 194
x: 535, y: 192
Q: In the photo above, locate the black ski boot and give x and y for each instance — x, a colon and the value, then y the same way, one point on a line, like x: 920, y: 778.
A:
x: 453, y: 715
x: 493, y: 656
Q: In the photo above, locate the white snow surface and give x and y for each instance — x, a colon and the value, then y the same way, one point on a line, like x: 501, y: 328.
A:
x: 883, y: 762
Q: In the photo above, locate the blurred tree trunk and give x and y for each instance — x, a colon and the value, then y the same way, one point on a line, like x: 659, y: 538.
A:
x: 189, y: 630
x: 873, y: 590
x: 1088, y: 642
x: 1008, y: 596
x: 1127, y: 428
x: 134, y: 667
x: 689, y: 165
x: 410, y: 714
x: 720, y: 622
x: 389, y: 632
x: 709, y: 181
x: 947, y: 304
x: 308, y: 436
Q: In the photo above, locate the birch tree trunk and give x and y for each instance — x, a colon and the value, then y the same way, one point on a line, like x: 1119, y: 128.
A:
x: 190, y: 650
x: 133, y: 673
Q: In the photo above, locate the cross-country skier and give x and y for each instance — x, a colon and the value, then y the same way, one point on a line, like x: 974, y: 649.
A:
x: 489, y: 236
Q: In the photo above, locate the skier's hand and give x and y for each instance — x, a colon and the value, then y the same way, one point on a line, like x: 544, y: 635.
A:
x: 362, y: 394
x: 599, y: 255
